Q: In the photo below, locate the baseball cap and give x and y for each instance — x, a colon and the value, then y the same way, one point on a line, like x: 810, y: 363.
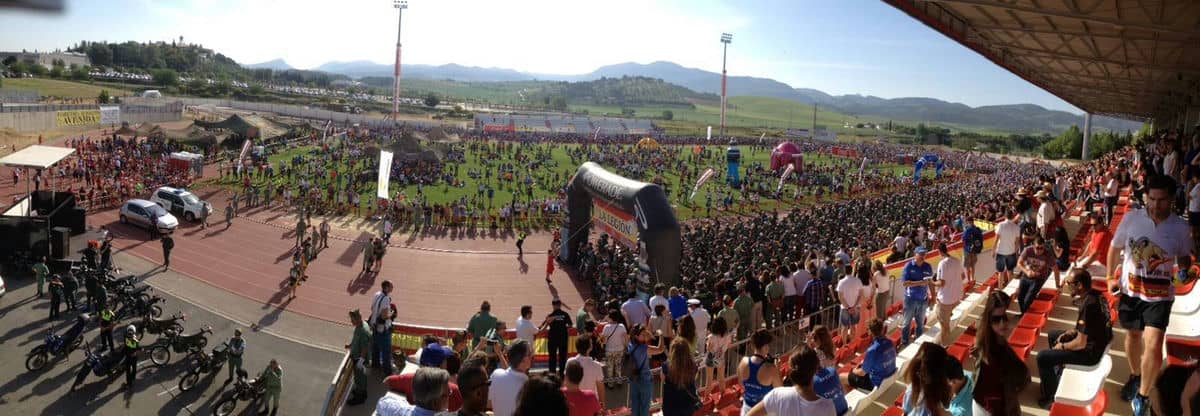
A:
x: 694, y: 302
x: 921, y: 250
x: 434, y: 354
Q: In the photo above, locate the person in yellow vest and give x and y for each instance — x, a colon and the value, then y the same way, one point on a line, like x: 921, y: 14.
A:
x: 237, y: 346
x: 108, y: 320
x: 132, y: 346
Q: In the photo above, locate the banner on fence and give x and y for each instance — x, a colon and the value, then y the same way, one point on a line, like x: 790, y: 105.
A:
x: 77, y: 118
x: 844, y: 151
x: 110, y: 114
x: 385, y: 173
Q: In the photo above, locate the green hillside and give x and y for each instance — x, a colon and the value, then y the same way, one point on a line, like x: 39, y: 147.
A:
x: 756, y: 112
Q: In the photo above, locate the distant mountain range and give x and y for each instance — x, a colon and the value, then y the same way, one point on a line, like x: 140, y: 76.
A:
x: 1028, y: 118
x: 276, y: 64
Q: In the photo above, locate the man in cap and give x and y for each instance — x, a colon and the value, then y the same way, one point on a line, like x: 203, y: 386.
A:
x: 433, y: 355
x: 360, y: 352
x: 237, y: 347
x: 916, y: 277
x: 701, y: 318
x: 557, y: 325
x: 1035, y: 264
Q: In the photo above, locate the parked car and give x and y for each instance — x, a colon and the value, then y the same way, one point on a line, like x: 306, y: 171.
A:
x: 180, y: 203
x: 148, y: 215
x: 2, y: 288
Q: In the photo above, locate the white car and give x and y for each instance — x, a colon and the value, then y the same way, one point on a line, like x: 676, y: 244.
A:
x: 148, y: 215
x: 2, y: 288
x: 181, y: 203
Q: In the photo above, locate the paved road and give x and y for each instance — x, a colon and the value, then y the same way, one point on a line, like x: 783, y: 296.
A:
x: 307, y: 370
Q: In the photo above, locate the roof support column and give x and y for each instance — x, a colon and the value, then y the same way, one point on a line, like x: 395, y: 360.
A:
x: 1087, y: 134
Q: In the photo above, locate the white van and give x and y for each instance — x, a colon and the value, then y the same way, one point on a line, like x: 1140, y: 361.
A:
x: 180, y: 202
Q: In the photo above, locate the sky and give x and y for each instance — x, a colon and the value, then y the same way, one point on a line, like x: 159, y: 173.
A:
x: 837, y: 46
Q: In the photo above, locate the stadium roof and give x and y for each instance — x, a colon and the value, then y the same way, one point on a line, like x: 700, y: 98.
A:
x: 1136, y: 59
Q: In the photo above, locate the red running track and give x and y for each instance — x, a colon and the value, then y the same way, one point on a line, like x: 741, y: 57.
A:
x: 252, y: 260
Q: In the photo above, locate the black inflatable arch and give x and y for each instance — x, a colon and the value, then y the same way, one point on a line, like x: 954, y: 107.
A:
x: 628, y: 207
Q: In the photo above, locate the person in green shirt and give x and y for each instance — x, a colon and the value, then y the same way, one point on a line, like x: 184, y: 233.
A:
x: 482, y: 323
x: 41, y: 270
x: 271, y: 380
x: 775, y: 293
x: 359, y: 352
x: 732, y: 318
x: 585, y: 314
x: 744, y: 305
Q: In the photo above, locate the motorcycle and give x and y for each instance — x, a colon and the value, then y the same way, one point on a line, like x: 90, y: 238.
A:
x: 160, y: 351
x: 250, y: 390
x: 157, y: 326
x: 134, y: 307
x: 107, y: 364
x: 128, y: 294
x: 58, y: 346
x: 203, y: 362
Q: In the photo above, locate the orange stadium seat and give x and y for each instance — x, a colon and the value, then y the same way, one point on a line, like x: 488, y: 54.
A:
x: 1096, y: 408
x: 1034, y: 321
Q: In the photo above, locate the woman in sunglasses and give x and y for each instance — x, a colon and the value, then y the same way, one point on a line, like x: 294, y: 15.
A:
x: 1002, y: 375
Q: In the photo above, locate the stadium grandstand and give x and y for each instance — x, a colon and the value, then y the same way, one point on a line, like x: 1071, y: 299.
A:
x: 558, y: 123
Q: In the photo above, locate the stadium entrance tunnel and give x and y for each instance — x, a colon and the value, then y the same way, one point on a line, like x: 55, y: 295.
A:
x: 637, y: 214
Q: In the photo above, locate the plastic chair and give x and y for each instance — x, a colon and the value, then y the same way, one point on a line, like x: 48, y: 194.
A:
x: 1040, y: 306
x: 1034, y: 321
x: 1096, y: 408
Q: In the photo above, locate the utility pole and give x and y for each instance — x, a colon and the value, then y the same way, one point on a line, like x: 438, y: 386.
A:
x: 399, y: 5
x: 725, y: 40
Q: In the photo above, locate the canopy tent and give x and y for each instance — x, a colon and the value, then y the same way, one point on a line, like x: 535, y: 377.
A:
x: 125, y: 130
x: 35, y: 157
x: 194, y: 135
x: 149, y: 129
x: 647, y: 144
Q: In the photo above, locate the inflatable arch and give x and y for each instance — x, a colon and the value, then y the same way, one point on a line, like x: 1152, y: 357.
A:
x: 638, y: 214
x: 924, y: 160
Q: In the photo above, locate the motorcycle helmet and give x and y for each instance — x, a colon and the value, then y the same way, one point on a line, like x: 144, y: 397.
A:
x: 130, y: 331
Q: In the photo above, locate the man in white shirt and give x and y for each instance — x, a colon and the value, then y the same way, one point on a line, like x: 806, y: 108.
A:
x: 507, y: 383
x: 526, y: 330
x: 849, y: 294
x: 701, y: 317
x: 900, y: 243
x: 790, y: 294
x: 658, y: 298
x: 1008, y: 234
x: 950, y: 276
x: 635, y: 311
x: 381, y: 329
x: 593, y: 371
x: 1046, y: 215
x: 1112, y: 190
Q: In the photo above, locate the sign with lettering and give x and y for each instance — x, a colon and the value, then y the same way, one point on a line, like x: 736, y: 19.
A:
x: 616, y: 223
x: 77, y: 118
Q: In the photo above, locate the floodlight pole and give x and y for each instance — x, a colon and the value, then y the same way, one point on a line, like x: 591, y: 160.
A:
x: 399, y: 5
x: 725, y: 40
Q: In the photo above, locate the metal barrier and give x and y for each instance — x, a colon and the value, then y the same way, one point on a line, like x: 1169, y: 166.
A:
x: 335, y: 398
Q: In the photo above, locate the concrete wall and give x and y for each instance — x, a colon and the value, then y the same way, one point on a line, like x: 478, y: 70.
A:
x: 46, y: 120
x: 28, y: 121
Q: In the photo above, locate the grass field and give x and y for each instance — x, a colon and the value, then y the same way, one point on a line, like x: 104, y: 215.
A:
x: 60, y: 88
x: 560, y: 163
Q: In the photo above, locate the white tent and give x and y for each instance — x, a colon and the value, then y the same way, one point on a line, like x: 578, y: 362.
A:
x: 35, y: 157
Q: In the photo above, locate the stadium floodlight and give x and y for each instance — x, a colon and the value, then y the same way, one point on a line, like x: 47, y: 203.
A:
x: 726, y: 39
x: 400, y: 5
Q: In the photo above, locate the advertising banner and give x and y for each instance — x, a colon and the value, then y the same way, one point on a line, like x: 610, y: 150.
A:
x: 385, y: 173
x: 110, y: 114
x: 616, y: 223
x: 495, y: 128
x: 77, y: 117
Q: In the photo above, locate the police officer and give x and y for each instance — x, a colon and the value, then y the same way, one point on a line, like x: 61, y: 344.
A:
x: 237, y: 346
x: 56, y: 295
x: 168, y: 244
x: 368, y: 255
x: 301, y: 228
x: 204, y: 215
x: 324, y: 233
x: 132, y: 345
x: 228, y: 215
x: 106, y: 254
x: 108, y: 320
x: 272, y: 381
x: 360, y: 350
x: 70, y: 286
x: 42, y: 271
